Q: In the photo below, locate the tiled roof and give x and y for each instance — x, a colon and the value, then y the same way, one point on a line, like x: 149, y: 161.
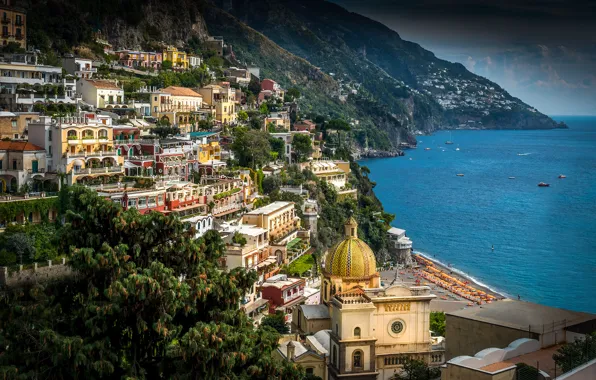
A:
x: 103, y: 84
x: 181, y: 91
x: 18, y: 146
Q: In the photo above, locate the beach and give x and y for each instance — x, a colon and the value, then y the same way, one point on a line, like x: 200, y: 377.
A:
x: 447, y: 300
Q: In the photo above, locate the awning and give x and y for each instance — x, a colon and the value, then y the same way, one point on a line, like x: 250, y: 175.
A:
x: 297, y: 301
x: 267, y: 262
x: 130, y: 165
x: 249, y: 308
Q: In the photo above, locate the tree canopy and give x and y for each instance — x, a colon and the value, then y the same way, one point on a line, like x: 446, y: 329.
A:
x: 148, y: 301
x: 251, y: 147
x: 302, y: 146
x: 574, y: 354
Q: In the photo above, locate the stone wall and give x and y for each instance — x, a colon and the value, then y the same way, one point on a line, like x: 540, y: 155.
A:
x: 40, y: 272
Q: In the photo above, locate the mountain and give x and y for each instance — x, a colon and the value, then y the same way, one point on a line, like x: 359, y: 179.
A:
x: 363, y: 53
x: 344, y: 64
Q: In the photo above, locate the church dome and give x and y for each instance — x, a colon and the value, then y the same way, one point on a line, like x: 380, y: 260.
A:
x: 351, y: 258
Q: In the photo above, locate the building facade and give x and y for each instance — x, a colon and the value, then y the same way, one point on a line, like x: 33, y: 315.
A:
x: 81, y: 146
x: 178, y: 58
x: 14, y: 24
x: 101, y: 93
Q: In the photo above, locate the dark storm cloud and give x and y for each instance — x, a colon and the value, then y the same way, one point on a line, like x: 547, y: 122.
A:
x: 543, y: 51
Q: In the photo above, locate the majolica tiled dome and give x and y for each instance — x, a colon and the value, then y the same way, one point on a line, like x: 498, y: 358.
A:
x: 351, y: 258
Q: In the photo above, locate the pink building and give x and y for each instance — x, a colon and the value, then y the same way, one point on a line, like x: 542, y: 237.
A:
x: 136, y: 59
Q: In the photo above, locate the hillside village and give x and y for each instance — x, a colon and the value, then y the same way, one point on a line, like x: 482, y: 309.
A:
x: 187, y: 155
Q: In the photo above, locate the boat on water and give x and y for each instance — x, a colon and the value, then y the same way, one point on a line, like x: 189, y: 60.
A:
x: 449, y: 142
x: 511, y: 177
x: 456, y: 148
x: 460, y: 175
x: 562, y: 176
x: 426, y: 148
x: 543, y: 184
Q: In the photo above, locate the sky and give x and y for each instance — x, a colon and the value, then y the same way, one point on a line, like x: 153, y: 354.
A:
x: 541, y: 51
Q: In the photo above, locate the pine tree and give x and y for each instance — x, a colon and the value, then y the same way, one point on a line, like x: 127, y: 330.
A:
x: 148, y: 301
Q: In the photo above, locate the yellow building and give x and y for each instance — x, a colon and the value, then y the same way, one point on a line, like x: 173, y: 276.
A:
x: 81, y: 146
x: 224, y: 101
x: 179, y: 59
x: 209, y: 152
x: 313, y: 362
x: 178, y: 105
x: 279, y: 218
x: 13, y: 125
x: 13, y: 22
x: 373, y: 328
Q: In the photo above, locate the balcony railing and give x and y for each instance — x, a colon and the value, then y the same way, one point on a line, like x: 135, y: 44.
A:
x: 114, y: 169
x: 5, y: 21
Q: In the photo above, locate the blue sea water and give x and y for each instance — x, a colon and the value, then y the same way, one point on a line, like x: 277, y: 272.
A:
x: 544, y: 238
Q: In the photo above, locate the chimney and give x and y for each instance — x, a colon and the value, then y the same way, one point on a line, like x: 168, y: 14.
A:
x: 290, y: 350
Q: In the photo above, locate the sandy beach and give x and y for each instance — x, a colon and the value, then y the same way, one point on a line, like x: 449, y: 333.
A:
x: 446, y: 300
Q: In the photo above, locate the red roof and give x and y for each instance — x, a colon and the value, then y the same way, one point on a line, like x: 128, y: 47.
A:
x: 20, y: 146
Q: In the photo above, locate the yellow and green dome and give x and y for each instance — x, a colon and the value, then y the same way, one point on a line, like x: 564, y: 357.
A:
x: 351, y: 258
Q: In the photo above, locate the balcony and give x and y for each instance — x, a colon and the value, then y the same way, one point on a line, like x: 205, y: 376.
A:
x: 113, y: 169
x: 5, y: 21
x: 91, y: 154
x: 19, y: 23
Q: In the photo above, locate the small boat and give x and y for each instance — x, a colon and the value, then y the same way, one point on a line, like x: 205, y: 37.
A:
x: 456, y: 148
x: 460, y: 175
x: 542, y: 184
x: 511, y: 177
x: 426, y: 148
x: 448, y: 142
x: 562, y: 176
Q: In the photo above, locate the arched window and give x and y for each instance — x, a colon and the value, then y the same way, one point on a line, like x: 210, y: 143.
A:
x: 357, y: 332
x: 358, y: 359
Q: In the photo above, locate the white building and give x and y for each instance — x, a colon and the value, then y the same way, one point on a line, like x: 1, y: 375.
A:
x: 79, y: 67
x: 24, y: 83
x: 201, y: 223
x: 194, y: 61
x: 101, y: 93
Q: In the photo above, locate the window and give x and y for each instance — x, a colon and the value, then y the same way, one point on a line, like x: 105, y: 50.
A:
x: 13, y: 124
x: 14, y: 164
x: 18, y: 32
x: 5, y: 30
x: 336, y: 329
x: 357, y: 359
x: 132, y: 203
x: 16, y: 135
x: 50, y: 150
x: 1, y: 164
x: 49, y: 135
x: 357, y: 332
x: 160, y: 199
x: 334, y: 357
x: 310, y: 371
x: 142, y: 203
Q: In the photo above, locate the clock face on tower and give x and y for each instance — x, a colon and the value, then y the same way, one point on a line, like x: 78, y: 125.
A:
x: 397, y: 327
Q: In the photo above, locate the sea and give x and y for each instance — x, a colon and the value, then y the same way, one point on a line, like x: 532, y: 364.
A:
x: 544, y: 238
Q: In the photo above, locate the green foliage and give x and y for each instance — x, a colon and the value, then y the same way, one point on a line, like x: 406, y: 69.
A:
x: 226, y: 193
x: 277, y: 145
x: 292, y: 94
x: 302, y: 146
x: 251, y: 147
x: 164, y: 130
x: 263, y: 109
x: 214, y: 62
x: 414, y: 369
x: 166, y: 65
x: 437, y: 322
x: 271, y: 184
x: 150, y: 301
x: 22, y: 245
x: 277, y: 322
x: 242, y: 116
x: 238, y: 238
x: 301, y: 265
x: 574, y: 354
x: 10, y: 210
